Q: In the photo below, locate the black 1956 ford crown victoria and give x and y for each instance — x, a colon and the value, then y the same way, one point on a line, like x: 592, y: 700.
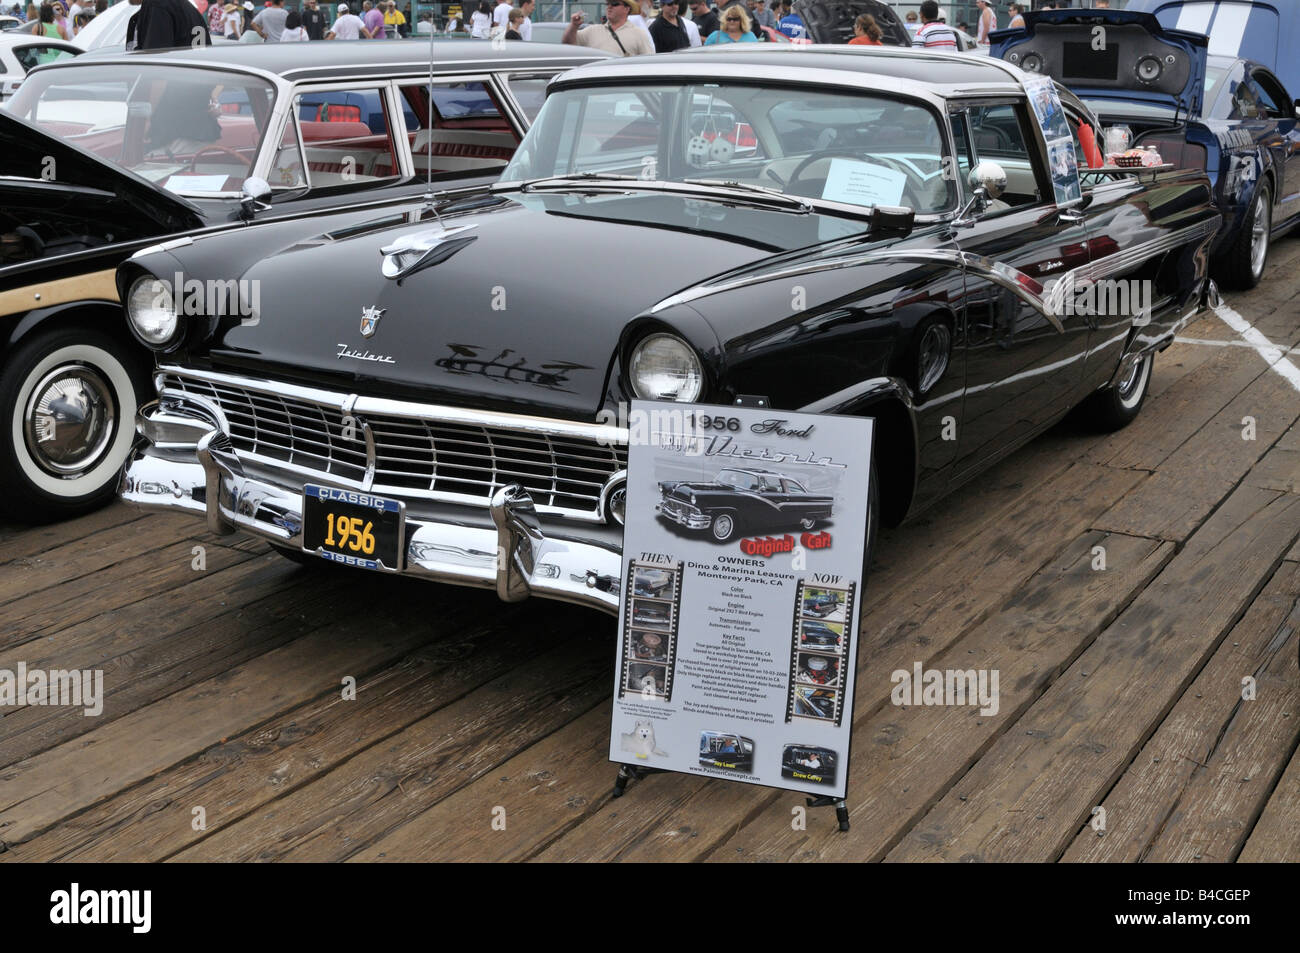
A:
x: 889, y: 234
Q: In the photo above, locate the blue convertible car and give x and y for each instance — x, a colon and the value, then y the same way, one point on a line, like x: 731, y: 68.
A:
x: 1230, y: 116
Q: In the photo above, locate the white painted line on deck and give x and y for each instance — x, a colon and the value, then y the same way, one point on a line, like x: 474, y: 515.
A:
x: 1270, y: 352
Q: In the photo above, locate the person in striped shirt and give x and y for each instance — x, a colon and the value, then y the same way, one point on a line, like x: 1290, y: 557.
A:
x: 934, y: 34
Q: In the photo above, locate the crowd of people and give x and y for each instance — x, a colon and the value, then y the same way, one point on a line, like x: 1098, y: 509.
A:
x: 628, y: 28
x: 57, y: 20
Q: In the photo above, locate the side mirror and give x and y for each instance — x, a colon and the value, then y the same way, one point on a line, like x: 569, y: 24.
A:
x: 990, y: 177
x: 255, y: 196
x: 987, y: 181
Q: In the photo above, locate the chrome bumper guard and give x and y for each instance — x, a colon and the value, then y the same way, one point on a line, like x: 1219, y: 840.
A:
x: 516, y: 557
x: 694, y: 520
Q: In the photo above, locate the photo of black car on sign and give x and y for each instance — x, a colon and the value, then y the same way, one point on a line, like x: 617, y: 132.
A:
x: 809, y: 763
x: 818, y: 669
x: 814, y: 702
x: 822, y: 635
x: 740, y: 501
x: 654, y: 614
x: 649, y: 646
x: 721, y: 750
x: 824, y: 603
x: 655, y: 583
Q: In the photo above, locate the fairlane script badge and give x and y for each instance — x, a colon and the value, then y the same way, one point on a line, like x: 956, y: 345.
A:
x: 345, y: 351
x: 370, y: 320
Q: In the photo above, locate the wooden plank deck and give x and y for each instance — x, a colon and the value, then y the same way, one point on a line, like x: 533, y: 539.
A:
x: 1161, y: 694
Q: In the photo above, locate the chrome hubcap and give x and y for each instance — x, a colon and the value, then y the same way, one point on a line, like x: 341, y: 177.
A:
x: 722, y: 527
x: 1259, y: 236
x: 69, y: 419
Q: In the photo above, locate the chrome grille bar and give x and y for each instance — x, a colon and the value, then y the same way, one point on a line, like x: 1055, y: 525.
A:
x: 421, y: 451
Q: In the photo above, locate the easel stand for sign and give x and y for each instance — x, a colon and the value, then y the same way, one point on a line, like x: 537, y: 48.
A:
x: 630, y: 772
x: 841, y: 809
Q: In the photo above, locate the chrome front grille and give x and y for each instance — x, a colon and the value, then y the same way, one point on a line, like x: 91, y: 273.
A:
x: 408, y: 453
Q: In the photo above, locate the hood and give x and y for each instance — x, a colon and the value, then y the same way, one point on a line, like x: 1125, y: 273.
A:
x: 26, y: 151
x: 521, y: 305
x: 1138, y: 59
x: 831, y: 21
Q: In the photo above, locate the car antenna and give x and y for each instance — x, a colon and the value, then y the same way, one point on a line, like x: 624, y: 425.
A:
x: 429, y: 201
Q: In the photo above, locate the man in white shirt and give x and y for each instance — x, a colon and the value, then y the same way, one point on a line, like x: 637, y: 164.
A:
x: 692, y: 31
x: 347, y: 27
x: 988, y: 22
x: 501, y: 17
x: 526, y: 28
x: 616, y: 35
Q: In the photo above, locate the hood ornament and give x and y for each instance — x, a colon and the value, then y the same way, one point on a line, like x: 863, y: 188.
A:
x: 370, y: 320
x: 416, y: 250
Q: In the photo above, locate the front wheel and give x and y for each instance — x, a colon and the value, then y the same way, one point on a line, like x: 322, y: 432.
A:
x: 68, y: 399
x: 724, y: 527
x: 1115, y: 407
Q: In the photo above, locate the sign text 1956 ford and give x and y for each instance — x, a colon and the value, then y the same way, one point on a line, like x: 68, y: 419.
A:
x: 420, y: 389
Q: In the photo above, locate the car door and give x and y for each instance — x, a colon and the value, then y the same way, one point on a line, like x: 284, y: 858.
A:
x: 1024, y: 363
x: 1282, y: 140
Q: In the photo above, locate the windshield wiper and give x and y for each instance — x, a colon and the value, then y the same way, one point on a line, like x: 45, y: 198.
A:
x: 802, y: 204
x: 528, y: 184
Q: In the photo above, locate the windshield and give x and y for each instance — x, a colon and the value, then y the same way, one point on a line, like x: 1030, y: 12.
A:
x: 190, y: 131
x: 849, y: 147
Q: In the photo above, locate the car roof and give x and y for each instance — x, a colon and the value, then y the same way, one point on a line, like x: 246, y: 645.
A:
x: 938, y: 73
x: 324, y: 60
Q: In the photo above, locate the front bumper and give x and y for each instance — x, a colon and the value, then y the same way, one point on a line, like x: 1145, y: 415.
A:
x: 515, y: 555
x: 684, y: 515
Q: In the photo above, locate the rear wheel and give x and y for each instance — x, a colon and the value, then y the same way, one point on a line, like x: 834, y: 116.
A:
x: 68, y: 399
x: 1115, y: 407
x: 1243, y: 264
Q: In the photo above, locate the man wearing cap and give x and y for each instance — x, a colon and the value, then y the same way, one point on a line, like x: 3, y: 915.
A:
x: 348, y: 26
x: 313, y: 21
x: 616, y: 35
x: 668, y: 31
x: 760, y: 14
x: 247, y: 33
x: 269, y: 23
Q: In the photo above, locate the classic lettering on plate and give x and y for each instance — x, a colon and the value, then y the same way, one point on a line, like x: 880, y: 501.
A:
x: 773, y: 425
x: 345, y: 351
x: 725, y: 446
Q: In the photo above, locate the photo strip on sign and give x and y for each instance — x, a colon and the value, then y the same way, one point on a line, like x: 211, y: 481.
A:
x: 744, y: 549
x: 1054, y: 132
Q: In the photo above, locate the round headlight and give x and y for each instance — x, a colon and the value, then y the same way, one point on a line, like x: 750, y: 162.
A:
x: 664, y: 367
x: 151, y: 310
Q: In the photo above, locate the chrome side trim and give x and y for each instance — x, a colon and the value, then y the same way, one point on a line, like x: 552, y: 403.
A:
x: 1028, y: 289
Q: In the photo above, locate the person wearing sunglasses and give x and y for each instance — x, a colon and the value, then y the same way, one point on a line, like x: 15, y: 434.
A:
x: 735, y: 28
x: 616, y: 35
